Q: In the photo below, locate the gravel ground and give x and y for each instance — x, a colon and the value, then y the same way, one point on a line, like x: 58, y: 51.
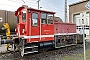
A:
x: 53, y: 56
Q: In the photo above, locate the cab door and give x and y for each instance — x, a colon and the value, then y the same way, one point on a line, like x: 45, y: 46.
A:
x: 35, y: 26
x: 47, y: 27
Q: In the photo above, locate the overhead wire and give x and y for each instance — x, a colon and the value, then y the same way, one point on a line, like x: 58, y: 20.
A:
x: 33, y: 4
x: 53, y: 8
x: 49, y: 6
x: 8, y: 5
x: 31, y: 1
x: 43, y: 4
x: 21, y: 2
x: 25, y: 1
x: 13, y: 5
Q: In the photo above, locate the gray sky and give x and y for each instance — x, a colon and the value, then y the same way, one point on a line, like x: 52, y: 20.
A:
x: 50, y: 5
x: 56, y: 5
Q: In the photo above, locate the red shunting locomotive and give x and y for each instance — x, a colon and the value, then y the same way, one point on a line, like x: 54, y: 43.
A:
x: 37, y: 30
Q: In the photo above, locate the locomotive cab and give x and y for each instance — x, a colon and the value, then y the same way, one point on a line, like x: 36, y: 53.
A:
x: 35, y: 25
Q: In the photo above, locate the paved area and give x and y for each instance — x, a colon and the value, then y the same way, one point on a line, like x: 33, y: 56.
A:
x: 2, y: 47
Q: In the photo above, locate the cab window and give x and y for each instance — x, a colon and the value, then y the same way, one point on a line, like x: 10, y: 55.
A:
x: 34, y: 19
x: 43, y: 18
x: 50, y: 18
x: 23, y: 16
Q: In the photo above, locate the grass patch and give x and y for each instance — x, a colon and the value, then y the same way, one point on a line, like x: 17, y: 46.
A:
x: 68, y: 58
x: 78, y: 56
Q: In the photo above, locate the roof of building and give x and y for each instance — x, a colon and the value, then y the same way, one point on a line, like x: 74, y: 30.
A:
x: 78, y: 2
x: 58, y: 19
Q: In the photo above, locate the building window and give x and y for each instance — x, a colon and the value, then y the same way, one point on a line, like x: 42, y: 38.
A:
x: 87, y: 21
x: 34, y: 19
x: 82, y: 21
x: 50, y: 18
x: 79, y: 22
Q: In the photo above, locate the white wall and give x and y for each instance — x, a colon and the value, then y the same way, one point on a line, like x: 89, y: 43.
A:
x: 78, y: 20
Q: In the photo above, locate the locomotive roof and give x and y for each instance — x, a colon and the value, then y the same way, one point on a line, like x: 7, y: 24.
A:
x: 41, y: 10
x: 20, y: 8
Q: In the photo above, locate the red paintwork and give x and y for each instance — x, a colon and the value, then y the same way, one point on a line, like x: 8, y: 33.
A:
x: 20, y: 27
x: 49, y: 28
x: 72, y: 28
x: 40, y: 10
x: 34, y: 30
x: 46, y: 29
x: 18, y: 10
x: 64, y: 27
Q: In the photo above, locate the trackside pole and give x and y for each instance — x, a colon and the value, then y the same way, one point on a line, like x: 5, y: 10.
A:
x: 84, y: 44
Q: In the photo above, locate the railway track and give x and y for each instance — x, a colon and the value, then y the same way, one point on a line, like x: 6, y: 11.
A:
x: 38, y: 56
x: 56, y: 52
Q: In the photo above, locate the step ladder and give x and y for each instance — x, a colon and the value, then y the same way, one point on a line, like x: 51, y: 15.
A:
x: 30, y: 49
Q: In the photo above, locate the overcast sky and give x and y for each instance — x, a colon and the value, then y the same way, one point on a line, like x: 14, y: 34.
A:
x: 51, y: 5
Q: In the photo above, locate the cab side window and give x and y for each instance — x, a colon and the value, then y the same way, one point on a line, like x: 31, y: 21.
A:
x: 23, y: 16
x: 50, y: 18
x: 43, y: 18
x: 34, y: 19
